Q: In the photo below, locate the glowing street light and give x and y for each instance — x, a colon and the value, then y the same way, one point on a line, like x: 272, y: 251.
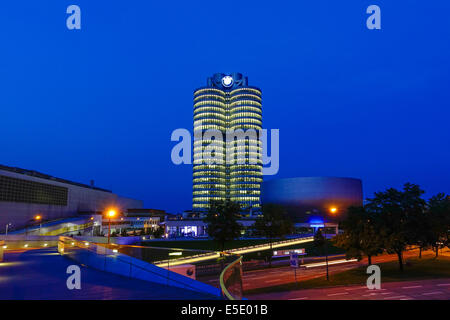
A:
x: 38, y: 218
x: 111, y: 214
x: 333, y: 210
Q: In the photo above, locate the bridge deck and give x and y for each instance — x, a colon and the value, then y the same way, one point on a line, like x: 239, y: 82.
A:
x: 41, y: 274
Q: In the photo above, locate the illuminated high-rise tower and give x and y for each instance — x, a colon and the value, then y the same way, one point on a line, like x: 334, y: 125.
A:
x: 228, y: 104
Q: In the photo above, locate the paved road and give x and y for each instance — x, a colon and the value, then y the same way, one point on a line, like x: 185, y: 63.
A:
x: 437, y: 289
x: 41, y: 274
x: 283, y: 275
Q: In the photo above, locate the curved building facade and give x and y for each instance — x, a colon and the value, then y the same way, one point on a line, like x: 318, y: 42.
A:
x: 227, y: 151
x: 310, y: 198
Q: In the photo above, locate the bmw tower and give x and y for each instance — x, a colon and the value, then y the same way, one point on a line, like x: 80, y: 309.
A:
x: 227, y: 104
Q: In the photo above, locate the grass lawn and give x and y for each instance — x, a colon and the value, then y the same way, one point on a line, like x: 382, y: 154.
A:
x: 414, y: 269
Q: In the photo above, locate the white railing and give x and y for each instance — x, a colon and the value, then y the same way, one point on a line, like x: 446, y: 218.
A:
x: 248, y: 249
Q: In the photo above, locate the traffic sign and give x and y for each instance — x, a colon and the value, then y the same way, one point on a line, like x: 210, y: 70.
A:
x: 285, y: 253
x: 294, y: 260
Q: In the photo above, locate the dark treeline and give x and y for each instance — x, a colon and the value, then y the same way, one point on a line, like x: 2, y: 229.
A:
x: 394, y: 220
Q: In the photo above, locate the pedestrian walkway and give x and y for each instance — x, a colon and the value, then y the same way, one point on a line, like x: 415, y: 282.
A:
x: 41, y: 274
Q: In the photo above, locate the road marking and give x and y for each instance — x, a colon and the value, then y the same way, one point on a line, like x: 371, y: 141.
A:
x: 369, y: 295
x: 386, y: 293
x: 412, y: 287
x: 430, y: 293
x: 372, y: 290
x: 396, y: 297
x: 275, y: 280
x: 358, y: 288
x: 337, y: 294
x: 254, y: 278
x: 302, y: 298
x: 443, y: 284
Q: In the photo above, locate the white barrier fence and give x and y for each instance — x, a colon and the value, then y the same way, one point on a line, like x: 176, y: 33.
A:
x: 242, y: 250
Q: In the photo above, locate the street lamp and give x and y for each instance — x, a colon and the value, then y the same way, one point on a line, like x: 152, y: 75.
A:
x: 38, y: 218
x: 333, y: 210
x: 7, y: 226
x: 111, y: 214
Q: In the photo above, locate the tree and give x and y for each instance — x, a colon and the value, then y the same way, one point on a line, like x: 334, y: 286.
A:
x: 439, y: 212
x: 222, y: 222
x: 361, y: 235
x: 273, y: 223
x: 419, y: 231
x: 319, y: 240
x: 394, y: 210
x: 158, y: 233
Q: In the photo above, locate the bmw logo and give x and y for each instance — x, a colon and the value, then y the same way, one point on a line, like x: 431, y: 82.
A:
x: 227, y: 81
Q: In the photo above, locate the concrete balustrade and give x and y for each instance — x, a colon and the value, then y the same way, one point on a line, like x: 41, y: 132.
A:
x: 21, y: 241
x: 100, y: 257
x: 16, y: 242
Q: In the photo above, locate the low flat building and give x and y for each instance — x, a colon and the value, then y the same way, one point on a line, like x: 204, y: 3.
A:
x: 193, y: 227
x: 134, y: 223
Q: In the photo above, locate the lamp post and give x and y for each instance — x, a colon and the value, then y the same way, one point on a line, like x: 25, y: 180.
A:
x: 7, y: 226
x: 39, y: 219
x: 111, y: 214
x: 333, y: 210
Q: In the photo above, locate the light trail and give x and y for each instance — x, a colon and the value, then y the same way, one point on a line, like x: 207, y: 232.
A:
x: 320, y: 264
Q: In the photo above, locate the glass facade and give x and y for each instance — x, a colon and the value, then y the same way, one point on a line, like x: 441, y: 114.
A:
x: 25, y: 191
x: 227, y: 160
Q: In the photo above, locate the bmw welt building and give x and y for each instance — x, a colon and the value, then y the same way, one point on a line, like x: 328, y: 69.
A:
x: 25, y: 194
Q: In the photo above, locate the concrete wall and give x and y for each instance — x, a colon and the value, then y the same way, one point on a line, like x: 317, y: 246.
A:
x: 115, y: 240
x: 20, y: 240
x: 27, y: 242
x: 79, y: 199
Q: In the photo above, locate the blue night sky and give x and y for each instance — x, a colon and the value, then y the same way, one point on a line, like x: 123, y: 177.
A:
x: 101, y: 103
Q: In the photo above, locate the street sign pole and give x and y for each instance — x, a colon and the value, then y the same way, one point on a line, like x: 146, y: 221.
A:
x: 294, y: 264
